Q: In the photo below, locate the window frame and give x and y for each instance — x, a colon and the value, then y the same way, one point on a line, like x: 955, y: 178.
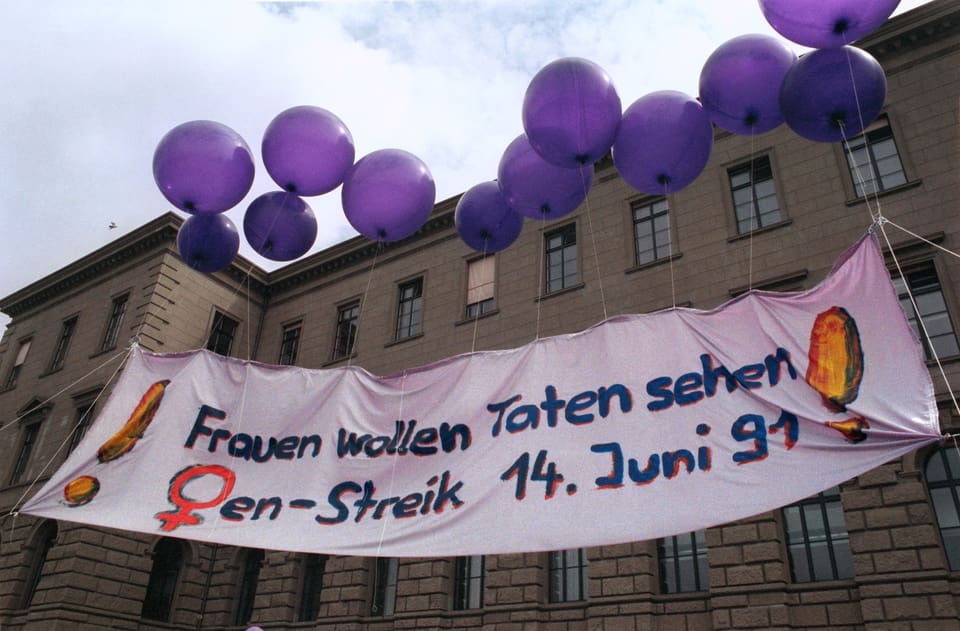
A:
x: 43, y: 539
x: 751, y: 165
x: 469, y: 581
x: 313, y: 568
x: 672, y: 579
x: 565, y: 280
x: 111, y: 331
x: 250, y: 565
x: 877, y: 132
x: 68, y: 329
x: 23, y: 350
x: 84, y: 407
x: 561, y: 569
x: 836, y: 538
x: 405, y: 328
x: 485, y: 305
x: 348, y: 326
x: 383, y: 586
x: 650, y: 219
x: 216, y: 324
x: 167, y: 563
x: 31, y: 425
x: 950, y: 462
x: 290, y: 335
x: 913, y: 317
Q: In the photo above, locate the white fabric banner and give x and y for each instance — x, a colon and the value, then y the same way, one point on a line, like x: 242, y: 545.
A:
x: 640, y: 427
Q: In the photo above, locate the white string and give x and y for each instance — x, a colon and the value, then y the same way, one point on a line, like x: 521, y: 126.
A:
x: 65, y: 440
x: 40, y: 405
x: 393, y: 469
x: 593, y: 241
x: 923, y: 327
x: 753, y: 212
x: 543, y: 272
x: 352, y: 348
x: 476, y: 316
x: 918, y: 237
x: 653, y: 229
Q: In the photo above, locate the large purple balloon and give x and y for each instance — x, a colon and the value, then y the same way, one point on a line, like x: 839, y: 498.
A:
x: 826, y: 23
x: 388, y: 195
x: 571, y: 112
x: 664, y: 142
x: 280, y: 226
x: 484, y: 220
x: 833, y: 93
x: 740, y: 83
x: 307, y: 150
x: 208, y: 243
x: 537, y: 189
x: 203, y: 167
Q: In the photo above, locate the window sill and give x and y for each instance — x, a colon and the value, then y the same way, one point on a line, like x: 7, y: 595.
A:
x: 488, y: 314
x: 949, y: 359
x: 890, y: 191
x: 560, y: 292
x: 103, y: 351
x: 654, y: 263
x: 49, y: 372
x: 757, y: 231
x: 338, y: 360
x: 401, y: 341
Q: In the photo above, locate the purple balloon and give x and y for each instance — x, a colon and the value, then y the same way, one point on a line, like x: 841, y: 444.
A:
x: 307, y: 150
x: 571, y: 112
x: 388, y: 195
x: 740, y: 83
x: 833, y: 93
x: 664, y: 142
x: 280, y: 226
x: 484, y: 220
x: 826, y: 23
x: 537, y: 189
x: 203, y: 167
x: 208, y: 243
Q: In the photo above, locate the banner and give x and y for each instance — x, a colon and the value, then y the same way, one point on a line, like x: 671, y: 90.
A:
x: 640, y: 427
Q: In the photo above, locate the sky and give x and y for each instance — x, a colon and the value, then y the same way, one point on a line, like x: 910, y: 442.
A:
x: 89, y: 87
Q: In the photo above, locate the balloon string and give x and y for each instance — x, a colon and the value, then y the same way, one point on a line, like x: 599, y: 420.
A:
x: 753, y: 212
x: 543, y: 272
x: 393, y: 469
x: 593, y: 242
x: 653, y: 228
x: 923, y: 327
x: 476, y: 316
x: 856, y: 98
x: 351, y: 350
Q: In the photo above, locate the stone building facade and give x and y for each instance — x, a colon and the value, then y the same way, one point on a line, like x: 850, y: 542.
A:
x: 881, y: 551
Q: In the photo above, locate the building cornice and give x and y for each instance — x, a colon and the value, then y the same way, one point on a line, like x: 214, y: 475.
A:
x: 922, y: 26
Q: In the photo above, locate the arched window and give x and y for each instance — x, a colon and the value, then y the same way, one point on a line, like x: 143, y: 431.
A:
x: 247, y: 589
x: 44, y: 539
x: 942, y: 473
x: 311, y: 586
x: 162, y: 587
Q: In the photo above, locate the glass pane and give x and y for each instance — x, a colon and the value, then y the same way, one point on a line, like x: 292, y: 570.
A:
x: 935, y: 470
x: 945, y: 507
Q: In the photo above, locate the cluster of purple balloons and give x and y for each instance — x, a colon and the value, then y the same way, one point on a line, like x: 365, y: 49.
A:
x: 205, y: 168
x: 571, y: 118
x: 662, y: 142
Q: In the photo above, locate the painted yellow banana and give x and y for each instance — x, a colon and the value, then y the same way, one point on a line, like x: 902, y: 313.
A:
x: 128, y: 435
x: 836, y: 359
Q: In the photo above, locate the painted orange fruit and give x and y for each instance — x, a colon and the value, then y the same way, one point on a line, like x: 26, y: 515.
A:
x: 836, y: 358
x: 80, y: 491
x: 128, y: 435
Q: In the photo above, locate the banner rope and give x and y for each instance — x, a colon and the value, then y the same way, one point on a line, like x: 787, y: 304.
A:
x: 542, y: 265
x: 753, y: 212
x: 66, y: 440
x: 593, y: 241
x: 923, y: 327
x: 653, y: 229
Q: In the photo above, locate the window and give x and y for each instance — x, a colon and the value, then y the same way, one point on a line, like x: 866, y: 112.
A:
x: 17, y: 364
x: 289, y: 343
x: 931, y: 308
x: 43, y: 541
x: 385, y: 574
x: 468, y: 582
x: 83, y: 415
x: 31, y: 430
x: 221, y: 333
x: 480, y: 285
x: 942, y: 473
x: 568, y: 575
x: 754, y: 196
x: 110, y: 334
x: 874, y: 161
x: 247, y: 590
x: 683, y: 563
x: 310, y: 586
x: 410, y: 309
x: 164, y: 575
x: 651, y: 230
x: 60, y: 353
x: 561, y: 263
x: 346, y: 337
x: 817, y: 538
